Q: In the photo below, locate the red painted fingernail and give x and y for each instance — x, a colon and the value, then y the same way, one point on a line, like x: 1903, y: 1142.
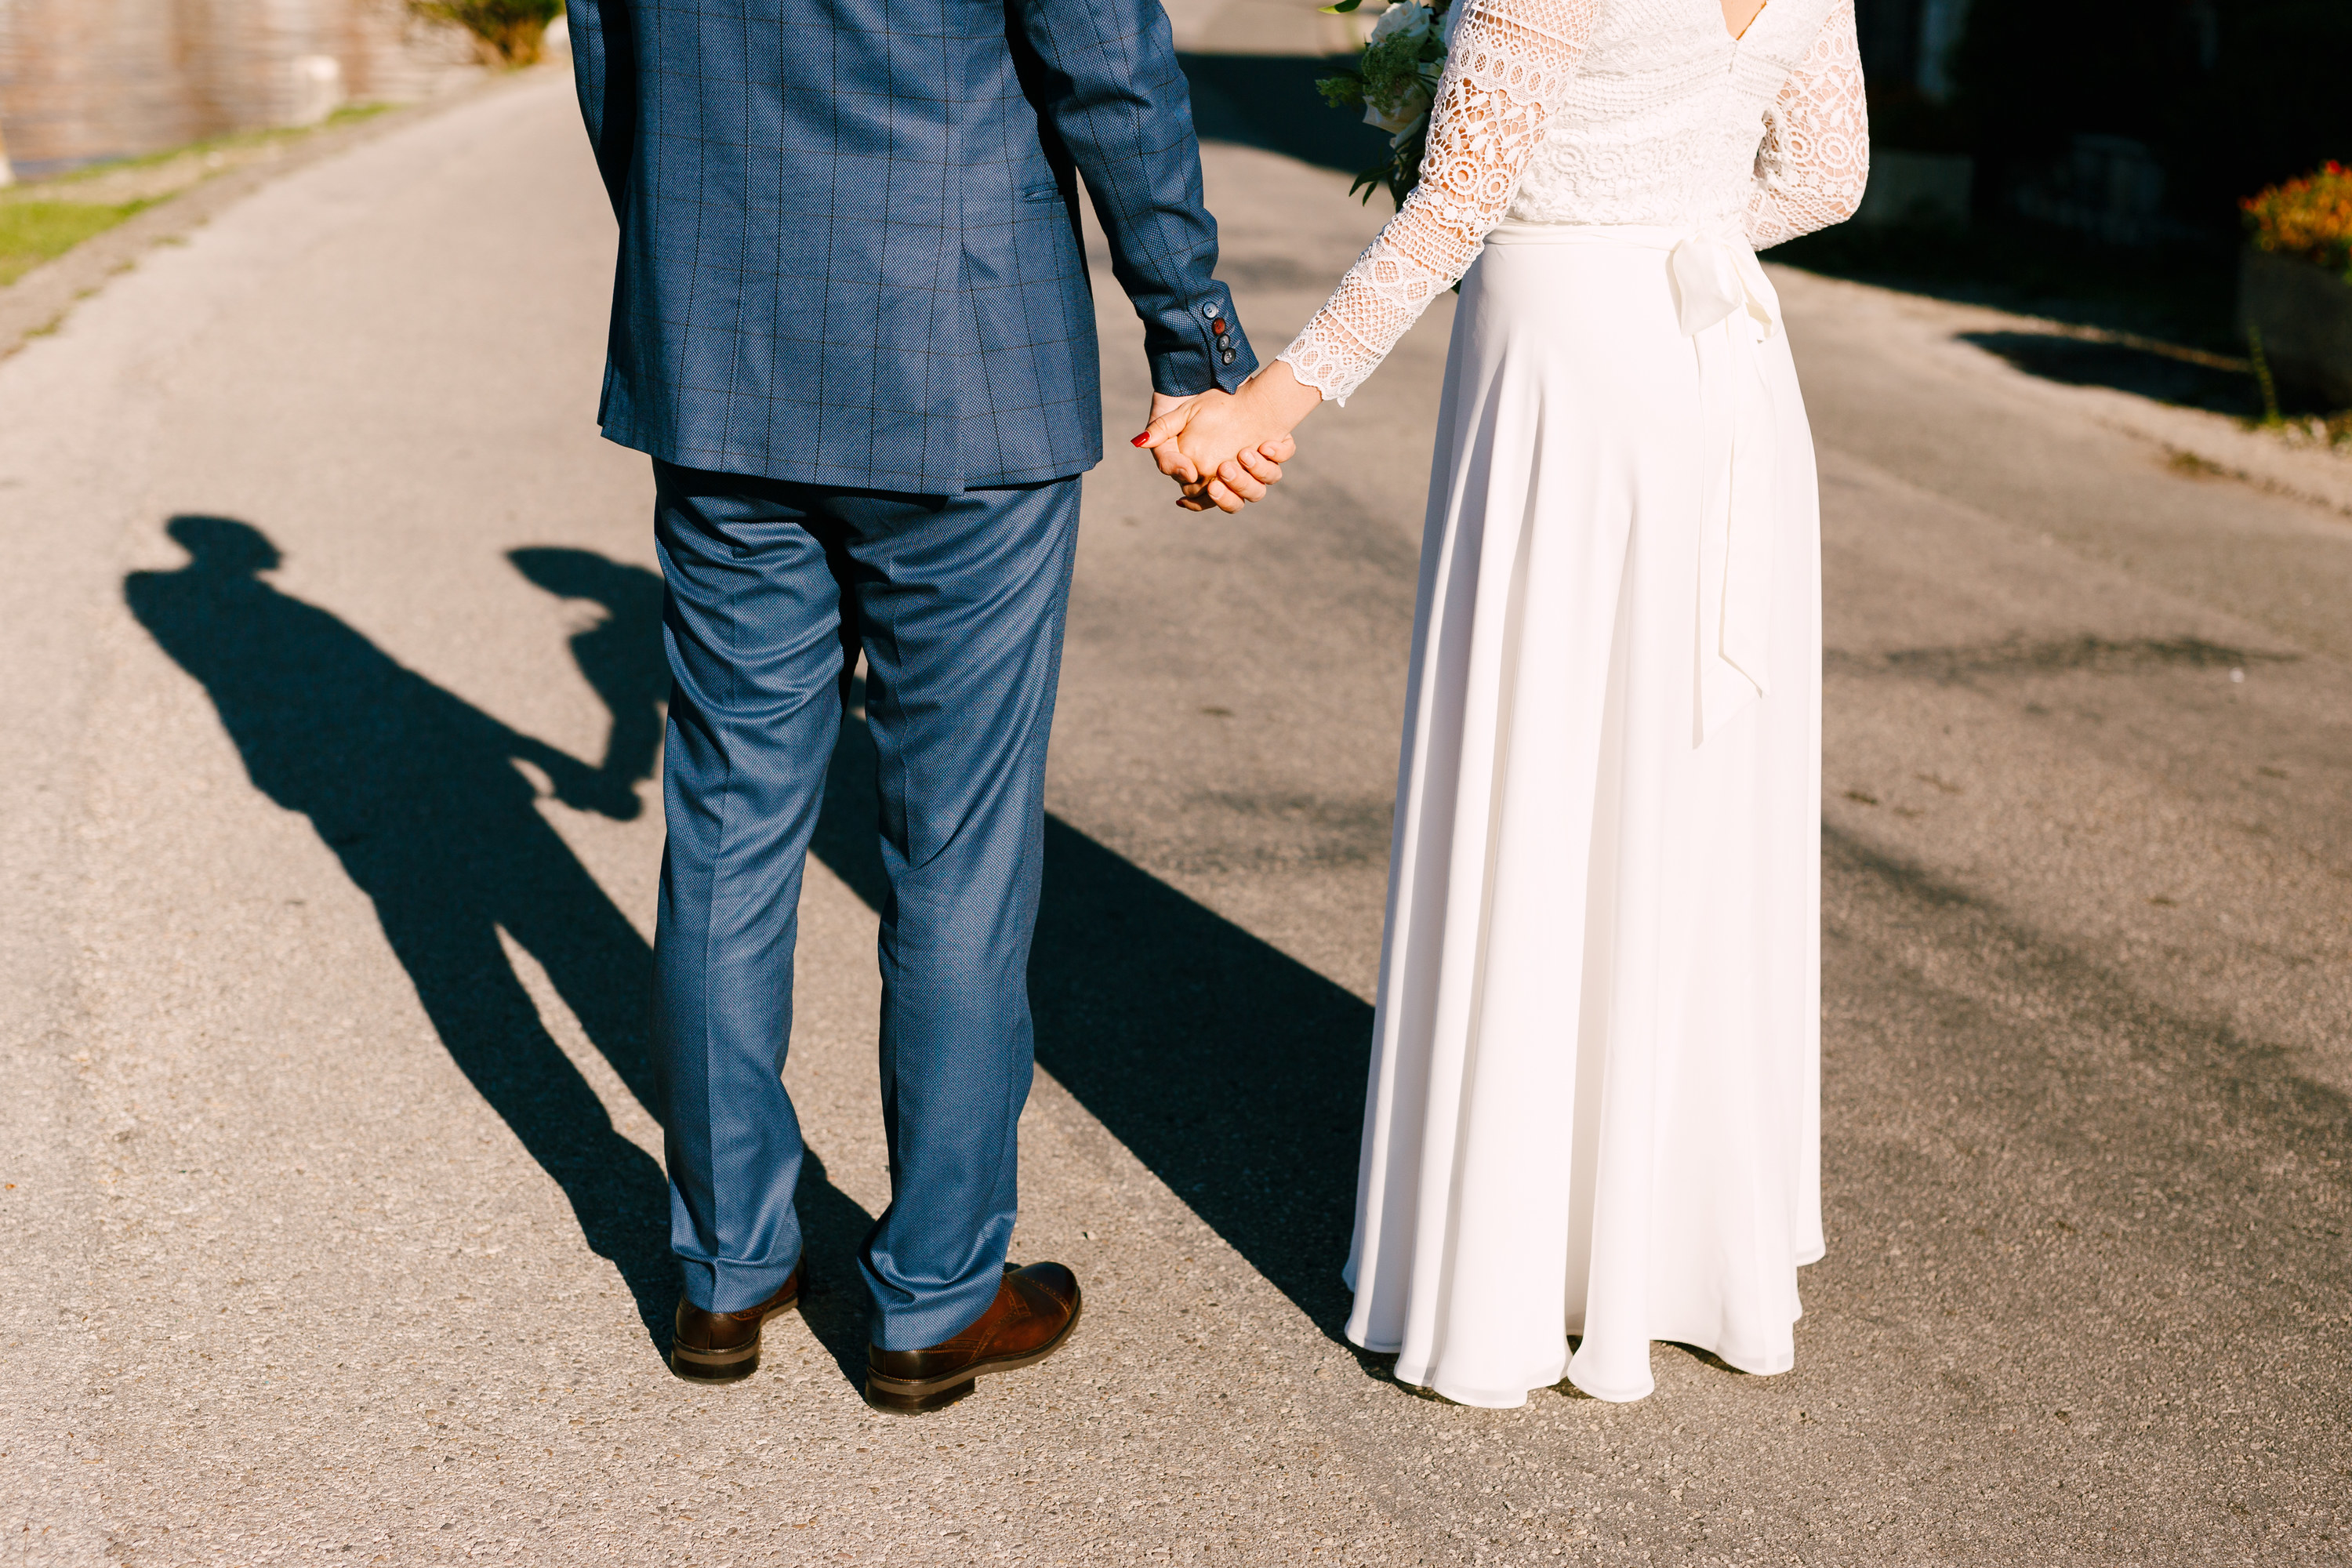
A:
x: 1140, y: 440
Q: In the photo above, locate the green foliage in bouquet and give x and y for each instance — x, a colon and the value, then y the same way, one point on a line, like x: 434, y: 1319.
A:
x: 2310, y: 217
x: 505, y: 32
x: 1393, y: 82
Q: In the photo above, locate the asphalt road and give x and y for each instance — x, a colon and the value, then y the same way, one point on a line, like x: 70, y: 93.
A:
x: 333, y: 1227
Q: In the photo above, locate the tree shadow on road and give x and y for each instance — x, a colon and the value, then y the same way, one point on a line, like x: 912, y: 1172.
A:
x: 1270, y: 102
x: 2159, y: 372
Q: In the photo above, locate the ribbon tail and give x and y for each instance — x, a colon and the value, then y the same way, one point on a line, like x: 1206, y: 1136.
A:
x: 1747, y: 557
x: 1720, y: 690
x: 1730, y: 310
x: 1736, y: 543
x: 1763, y: 301
x: 1708, y: 284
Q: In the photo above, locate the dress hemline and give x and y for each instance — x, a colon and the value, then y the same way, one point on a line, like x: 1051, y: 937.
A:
x: 1769, y: 1365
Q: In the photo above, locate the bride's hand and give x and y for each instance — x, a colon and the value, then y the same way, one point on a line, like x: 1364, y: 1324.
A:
x: 1224, y: 449
x: 1191, y: 471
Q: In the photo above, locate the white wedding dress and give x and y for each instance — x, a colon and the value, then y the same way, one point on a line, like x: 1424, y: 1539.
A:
x: 1594, y: 1099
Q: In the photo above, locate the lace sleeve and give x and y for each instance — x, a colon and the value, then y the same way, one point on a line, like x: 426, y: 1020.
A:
x: 1505, y: 70
x: 1815, y: 156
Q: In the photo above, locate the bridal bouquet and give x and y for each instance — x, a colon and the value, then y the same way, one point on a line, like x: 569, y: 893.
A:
x: 1394, y: 81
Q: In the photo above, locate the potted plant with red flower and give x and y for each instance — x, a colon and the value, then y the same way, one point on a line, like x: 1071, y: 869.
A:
x: 2295, y: 293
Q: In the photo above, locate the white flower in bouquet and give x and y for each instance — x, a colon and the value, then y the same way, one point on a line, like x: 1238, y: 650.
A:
x: 1402, y: 113
x: 1397, y: 100
x: 1407, y: 17
x: 1394, y: 81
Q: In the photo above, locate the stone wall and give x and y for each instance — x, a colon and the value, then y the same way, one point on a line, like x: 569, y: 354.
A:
x: 87, y: 80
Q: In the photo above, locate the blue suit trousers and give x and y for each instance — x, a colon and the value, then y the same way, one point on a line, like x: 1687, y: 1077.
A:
x: 957, y: 604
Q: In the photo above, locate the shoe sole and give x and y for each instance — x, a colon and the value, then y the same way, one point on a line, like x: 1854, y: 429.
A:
x: 724, y: 1366
x: 912, y: 1396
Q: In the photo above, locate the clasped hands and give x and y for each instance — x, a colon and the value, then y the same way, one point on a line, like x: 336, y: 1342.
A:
x: 1225, y: 449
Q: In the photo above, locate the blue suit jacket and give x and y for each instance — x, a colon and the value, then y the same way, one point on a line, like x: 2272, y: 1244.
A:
x: 849, y: 239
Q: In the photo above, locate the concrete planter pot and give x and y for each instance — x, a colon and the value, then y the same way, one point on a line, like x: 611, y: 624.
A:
x: 2304, y: 315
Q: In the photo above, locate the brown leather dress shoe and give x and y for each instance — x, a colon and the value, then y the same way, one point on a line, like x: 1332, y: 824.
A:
x: 1034, y: 1311
x: 720, y: 1347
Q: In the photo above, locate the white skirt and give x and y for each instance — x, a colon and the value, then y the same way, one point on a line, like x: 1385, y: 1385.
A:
x: 1594, y: 1107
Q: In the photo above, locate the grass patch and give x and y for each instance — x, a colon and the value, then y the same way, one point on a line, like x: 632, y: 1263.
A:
x: 41, y: 221
x: 32, y: 232
x: 236, y: 142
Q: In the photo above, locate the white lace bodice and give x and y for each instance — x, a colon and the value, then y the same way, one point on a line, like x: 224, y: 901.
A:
x: 1607, y: 111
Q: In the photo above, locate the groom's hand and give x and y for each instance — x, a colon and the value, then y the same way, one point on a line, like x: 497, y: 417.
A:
x: 1239, y: 479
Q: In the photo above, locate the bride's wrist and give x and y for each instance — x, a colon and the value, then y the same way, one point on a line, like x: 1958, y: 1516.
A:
x: 1280, y: 396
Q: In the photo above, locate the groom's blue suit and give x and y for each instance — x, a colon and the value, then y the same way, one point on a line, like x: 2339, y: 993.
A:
x: 852, y: 324
x: 849, y: 240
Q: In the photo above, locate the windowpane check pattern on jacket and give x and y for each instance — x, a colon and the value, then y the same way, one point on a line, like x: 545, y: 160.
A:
x: 849, y: 244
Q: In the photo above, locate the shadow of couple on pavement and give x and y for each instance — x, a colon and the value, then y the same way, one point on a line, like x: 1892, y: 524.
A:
x: 1231, y: 1070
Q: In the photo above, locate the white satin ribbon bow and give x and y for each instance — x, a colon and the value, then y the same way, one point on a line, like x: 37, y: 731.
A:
x: 1730, y: 311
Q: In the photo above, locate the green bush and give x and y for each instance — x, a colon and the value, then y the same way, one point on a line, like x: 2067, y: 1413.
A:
x: 2310, y: 217
x: 507, y: 32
